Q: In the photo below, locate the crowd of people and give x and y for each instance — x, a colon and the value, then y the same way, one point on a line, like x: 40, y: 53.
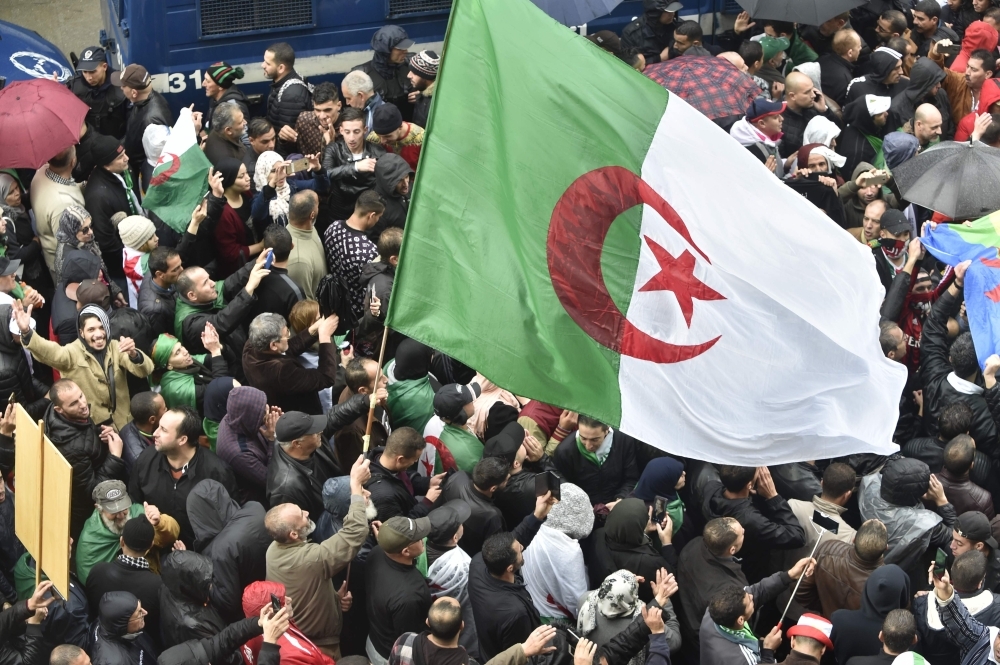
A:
x: 249, y: 485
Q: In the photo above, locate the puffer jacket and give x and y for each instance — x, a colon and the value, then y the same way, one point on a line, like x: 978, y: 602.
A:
x: 346, y: 182
x: 112, y: 625
x: 108, y: 106
x: 389, y: 79
x: 234, y: 538
x: 240, y: 443
x: 389, y: 171
x: 289, y: 97
x: 15, y: 374
x: 81, y: 446
x: 186, y: 612
x: 893, y: 496
x: 153, y: 111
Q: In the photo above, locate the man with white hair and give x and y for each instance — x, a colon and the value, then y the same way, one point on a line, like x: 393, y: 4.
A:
x: 359, y: 91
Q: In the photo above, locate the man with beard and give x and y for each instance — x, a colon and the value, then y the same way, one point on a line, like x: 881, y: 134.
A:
x: 885, y: 70
x: 306, y: 569
x: 388, y: 67
x: 99, y: 540
x: 97, y: 365
x: 422, y: 76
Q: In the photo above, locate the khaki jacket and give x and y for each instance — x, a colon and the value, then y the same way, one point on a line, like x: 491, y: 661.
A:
x: 78, y: 364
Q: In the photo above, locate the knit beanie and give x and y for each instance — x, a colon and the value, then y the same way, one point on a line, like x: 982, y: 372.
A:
x: 135, y: 230
x: 425, y: 65
x: 386, y: 119
x: 138, y: 534
x: 224, y: 75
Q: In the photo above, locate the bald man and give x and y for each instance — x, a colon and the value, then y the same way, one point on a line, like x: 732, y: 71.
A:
x: 805, y: 102
x: 837, y: 67
x: 735, y: 58
x: 927, y: 125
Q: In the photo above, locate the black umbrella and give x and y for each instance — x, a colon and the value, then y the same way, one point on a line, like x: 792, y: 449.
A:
x: 808, y: 12
x: 576, y: 12
x: 958, y: 180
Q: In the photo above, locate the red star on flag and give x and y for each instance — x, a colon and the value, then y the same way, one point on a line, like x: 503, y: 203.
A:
x: 677, y: 275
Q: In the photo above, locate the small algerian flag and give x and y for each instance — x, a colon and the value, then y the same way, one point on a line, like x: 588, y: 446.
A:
x: 583, y: 238
x: 180, y: 178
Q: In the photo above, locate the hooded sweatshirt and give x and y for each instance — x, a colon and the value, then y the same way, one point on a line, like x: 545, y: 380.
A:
x: 861, y: 141
x: 111, y: 630
x: 659, y: 479
x: 185, y: 609
x: 977, y: 36
x: 625, y: 544
x: 989, y: 95
x: 240, y: 443
x: 855, y: 632
x: 760, y: 145
x: 294, y: 646
x: 390, y: 169
x: 924, y: 75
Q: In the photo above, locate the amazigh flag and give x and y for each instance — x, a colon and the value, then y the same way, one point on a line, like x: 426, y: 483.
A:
x: 978, y: 242
x: 585, y: 239
x: 180, y: 178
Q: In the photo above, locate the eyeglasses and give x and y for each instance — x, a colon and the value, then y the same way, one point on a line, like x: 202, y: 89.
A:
x: 86, y: 229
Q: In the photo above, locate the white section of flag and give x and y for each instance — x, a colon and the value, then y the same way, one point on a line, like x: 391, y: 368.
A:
x: 798, y: 373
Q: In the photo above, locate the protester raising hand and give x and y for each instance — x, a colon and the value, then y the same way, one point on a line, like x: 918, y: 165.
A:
x: 9, y: 421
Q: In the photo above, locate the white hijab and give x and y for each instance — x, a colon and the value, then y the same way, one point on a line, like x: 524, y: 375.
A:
x: 278, y: 207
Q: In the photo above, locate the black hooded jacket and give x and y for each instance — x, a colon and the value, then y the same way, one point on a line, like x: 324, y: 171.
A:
x: 924, y: 75
x: 881, y: 66
x: 855, y: 632
x: 218, y: 647
x: 81, y: 446
x: 852, y: 143
x: 289, y: 97
x: 647, y: 35
x: 20, y: 643
x: 15, y: 374
x: 836, y: 75
x: 623, y: 543
x: 153, y: 111
x: 109, y: 647
x: 185, y: 610
x: 389, y: 171
x: 390, y: 495
x: 389, y: 79
x: 234, y: 538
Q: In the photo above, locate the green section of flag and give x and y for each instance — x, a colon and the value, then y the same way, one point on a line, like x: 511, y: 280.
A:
x: 620, y: 256
x: 519, y: 115
x: 175, y: 199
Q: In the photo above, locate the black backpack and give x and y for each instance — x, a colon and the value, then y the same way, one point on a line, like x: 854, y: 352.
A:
x: 334, y: 297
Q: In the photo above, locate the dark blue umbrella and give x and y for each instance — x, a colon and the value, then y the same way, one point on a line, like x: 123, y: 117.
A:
x: 576, y: 12
x: 809, y: 12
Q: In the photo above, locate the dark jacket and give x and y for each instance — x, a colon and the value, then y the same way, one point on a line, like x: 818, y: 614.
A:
x: 119, y: 576
x: 504, y: 612
x: 485, y: 519
x: 852, y: 143
x: 234, y: 538
x: 836, y: 73
x: 378, y: 277
x: 769, y: 525
x: 647, y: 35
x: 389, y: 171
x: 855, y: 632
x: 231, y: 95
x: 288, y: 384
x: 838, y: 581
x: 924, y: 75
x: 794, y: 127
x: 700, y: 574
x: 218, y: 147
x: 292, y: 481
x: 153, y: 111
x: 389, y: 79
x: 151, y: 481
x: 108, y: 106
x: 15, y: 650
x: 346, y: 182
x: 81, y: 446
x: 15, y: 374
x: 186, y: 612
x: 965, y: 495
x: 798, y: 480
x: 240, y: 444
x: 112, y: 624
x: 276, y: 295
x: 230, y: 321
x: 85, y: 155
x: 934, y: 644
x: 217, y: 648
x: 390, y: 496
x: 935, y: 368
x: 517, y: 498
x: 720, y: 648
x: 289, y: 97
x: 612, y: 480
x: 105, y: 196
x: 157, y: 306
x: 974, y: 639
x: 623, y: 543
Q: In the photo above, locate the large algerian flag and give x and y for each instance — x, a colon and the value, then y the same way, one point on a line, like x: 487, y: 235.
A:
x: 582, y: 238
x: 180, y: 178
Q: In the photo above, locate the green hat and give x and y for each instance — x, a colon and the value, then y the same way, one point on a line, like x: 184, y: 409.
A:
x: 773, y: 46
x: 162, y: 348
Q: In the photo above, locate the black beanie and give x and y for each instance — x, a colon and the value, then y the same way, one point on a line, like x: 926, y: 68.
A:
x: 138, y: 534
x: 105, y: 149
x: 386, y: 119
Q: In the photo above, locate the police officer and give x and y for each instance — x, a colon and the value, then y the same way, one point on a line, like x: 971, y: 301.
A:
x: 652, y: 33
x: 93, y: 86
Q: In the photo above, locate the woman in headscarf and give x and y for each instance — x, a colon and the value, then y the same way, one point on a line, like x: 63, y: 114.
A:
x: 554, y: 572
x: 216, y: 397
x: 184, y: 377
x: 18, y: 238
x: 658, y: 485
x: 229, y: 203
x: 242, y: 443
x: 76, y: 231
x: 274, y: 188
x: 626, y: 543
x: 821, y: 160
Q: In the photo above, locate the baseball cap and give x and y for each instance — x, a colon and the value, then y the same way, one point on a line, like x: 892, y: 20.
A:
x: 450, y: 399
x: 975, y: 526
x: 877, y: 104
x: 894, y: 221
x: 91, y: 57
x: 89, y: 291
x: 398, y: 532
x: 446, y: 519
x: 815, y: 627
x: 8, y: 266
x: 506, y: 443
x: 111, y: 496
x: 133, y: 76
x: 668, y: 5
x: 295, y: 424
x: 763, y: 106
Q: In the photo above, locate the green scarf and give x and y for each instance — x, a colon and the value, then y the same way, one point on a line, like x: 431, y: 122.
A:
x: 178, y: 386
x: 745, y: 632
x: 876, y: 143
x: 411, y: 403
x: 127, y: 177
x: 186, y: 308
x: 421, y: 561
x: 211, y: 432
x: 586, y: 453
x: 676, y: 511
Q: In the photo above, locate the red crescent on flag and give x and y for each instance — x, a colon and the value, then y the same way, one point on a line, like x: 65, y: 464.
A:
x: 577, y: 230
x: 160, y: 178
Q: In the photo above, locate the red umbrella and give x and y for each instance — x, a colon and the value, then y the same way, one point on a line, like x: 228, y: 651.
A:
x: 38, y: 119
x: 712, y: 85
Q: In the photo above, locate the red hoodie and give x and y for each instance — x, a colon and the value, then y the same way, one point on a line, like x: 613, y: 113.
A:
x: 978, y: 35
x: 988, y: 96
